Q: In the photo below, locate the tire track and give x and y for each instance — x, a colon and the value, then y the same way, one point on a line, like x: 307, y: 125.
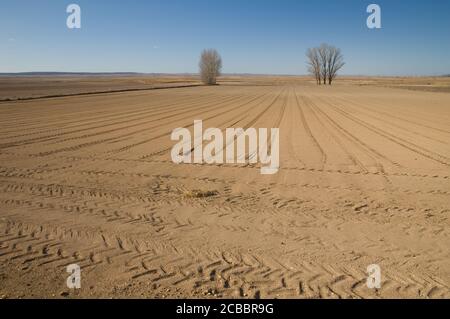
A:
x: 309, y: 132
x: 52, y: 136
x: 397, y: 140
x: 355, y: 161
x: 104, y: 118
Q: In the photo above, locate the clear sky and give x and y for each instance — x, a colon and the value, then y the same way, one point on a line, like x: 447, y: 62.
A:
x: 253, y: 36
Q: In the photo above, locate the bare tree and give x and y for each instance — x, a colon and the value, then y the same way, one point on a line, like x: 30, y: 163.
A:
x: 324, y: 62
x: 323, y: 55
x: 210, y: 66
x: 335, y: 63
x: 314, y: 64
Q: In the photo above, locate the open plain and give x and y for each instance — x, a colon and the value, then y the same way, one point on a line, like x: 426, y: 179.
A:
x: 364, y: 179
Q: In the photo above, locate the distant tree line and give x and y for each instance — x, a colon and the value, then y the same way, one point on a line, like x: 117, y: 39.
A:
x: 324, y: 62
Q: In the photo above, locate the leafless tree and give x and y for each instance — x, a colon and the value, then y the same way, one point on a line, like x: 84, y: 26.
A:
x: 324, y: 62
x: 323, y: 55
x: 314, y: 64
x: 335, y: 63
x: 210, y: 66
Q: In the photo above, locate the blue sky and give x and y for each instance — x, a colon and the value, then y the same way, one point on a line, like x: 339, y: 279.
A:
x: 253, y: 36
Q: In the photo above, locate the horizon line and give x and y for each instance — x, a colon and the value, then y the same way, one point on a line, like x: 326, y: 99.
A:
x: 124, y: 73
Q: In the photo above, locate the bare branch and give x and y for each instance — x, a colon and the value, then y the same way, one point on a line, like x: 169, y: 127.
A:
x: 324, y: 62
x: 335, y: 63
x: 314, y: 63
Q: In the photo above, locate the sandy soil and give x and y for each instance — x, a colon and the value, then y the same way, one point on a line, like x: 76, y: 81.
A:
x: 428, y: 84
x: 13, y: 88
x: 364, y: 179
